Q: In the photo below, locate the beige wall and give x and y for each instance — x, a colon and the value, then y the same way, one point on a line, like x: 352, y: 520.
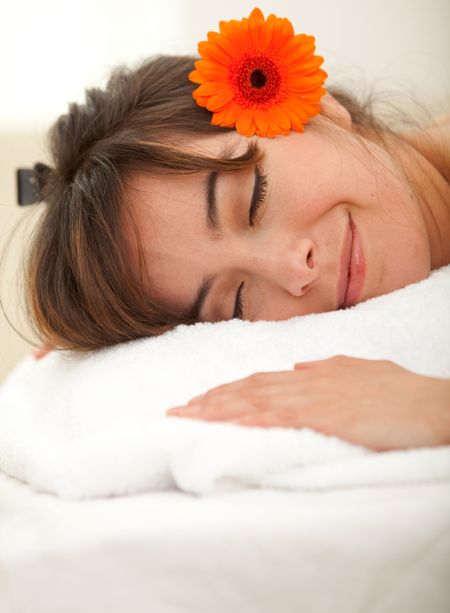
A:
x: 16, y: 150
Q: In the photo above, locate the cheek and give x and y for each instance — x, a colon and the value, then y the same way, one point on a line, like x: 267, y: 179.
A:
x: 397, y: 253
x: 318, y: 185
x: 411, y: 264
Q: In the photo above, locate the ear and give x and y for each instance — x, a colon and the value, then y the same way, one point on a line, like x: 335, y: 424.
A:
x: 334, y: 110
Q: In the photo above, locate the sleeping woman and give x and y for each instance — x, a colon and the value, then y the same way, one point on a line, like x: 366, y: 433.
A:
x: 162, y: 212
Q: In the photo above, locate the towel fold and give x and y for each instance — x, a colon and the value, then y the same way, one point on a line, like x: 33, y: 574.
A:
x: 95, y: 425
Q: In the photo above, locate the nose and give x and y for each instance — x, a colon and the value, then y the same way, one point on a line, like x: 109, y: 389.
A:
x: 295, y: 267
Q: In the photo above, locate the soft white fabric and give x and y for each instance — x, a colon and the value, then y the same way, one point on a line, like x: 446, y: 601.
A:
x: 95, y: 425
x: 363, y: 550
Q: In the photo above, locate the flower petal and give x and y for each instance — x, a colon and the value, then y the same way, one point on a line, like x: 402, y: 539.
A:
x: 251, y: 130
x: 219, y: 100
x: 244, y: 122
x: 196, y: 77
x: 279, y: 117
x: 211, y: 88
x: 232, y: 113
x: 220, y: 118
x: 293, y: 107
x: 299, y: 41
x: 200, y: 100
x: 280, y: 36
x: 306, y: 66
x: 266, y: 34
x: 237, y: 34
x: 308, y: 107
x: 262, y: 122
x: 256, y: 18
x: 305, y: 84
x: 295, y: 118
x: 222, y: 42
x: 286, y: 27
x: 213, y: 52
x: 256, y: 23
x: 212, y: 71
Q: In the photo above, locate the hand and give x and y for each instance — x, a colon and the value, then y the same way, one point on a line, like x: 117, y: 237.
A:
x: 373, y: 403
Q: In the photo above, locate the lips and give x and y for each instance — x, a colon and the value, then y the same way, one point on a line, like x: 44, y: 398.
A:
x: 351, y: 281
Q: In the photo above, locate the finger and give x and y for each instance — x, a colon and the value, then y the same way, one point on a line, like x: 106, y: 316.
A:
x: 250, y: 394
x: 213, y: 411
x: 288, y: 418
x: 269, y: 419
x: 254, y: 380
x: 224, y: 406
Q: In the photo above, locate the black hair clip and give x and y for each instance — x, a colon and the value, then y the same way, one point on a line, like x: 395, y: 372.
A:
x: 30, y: 182
x: 27, y: 187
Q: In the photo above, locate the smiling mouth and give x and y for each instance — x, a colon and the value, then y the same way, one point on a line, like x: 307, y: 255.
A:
x: 345, y: 304
x: 345, y: 260
x: 355, y: 270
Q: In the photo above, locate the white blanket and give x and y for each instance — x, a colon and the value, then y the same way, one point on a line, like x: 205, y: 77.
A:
x: 359, y: 550
x: 93, y: 426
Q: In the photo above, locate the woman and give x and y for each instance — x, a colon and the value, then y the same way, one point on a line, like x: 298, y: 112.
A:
x: 156, y: 218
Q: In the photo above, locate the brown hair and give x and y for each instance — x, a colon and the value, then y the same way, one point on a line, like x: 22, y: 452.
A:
x: 80, y: 292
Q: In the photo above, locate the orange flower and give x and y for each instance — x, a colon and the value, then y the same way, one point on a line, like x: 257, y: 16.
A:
x: 258, y: 77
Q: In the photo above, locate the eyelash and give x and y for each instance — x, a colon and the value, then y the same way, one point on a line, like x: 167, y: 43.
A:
x: 261, y: 191
x: 255, y: 209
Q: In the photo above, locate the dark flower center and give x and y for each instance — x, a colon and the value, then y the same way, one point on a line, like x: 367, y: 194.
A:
x: 258, y: 78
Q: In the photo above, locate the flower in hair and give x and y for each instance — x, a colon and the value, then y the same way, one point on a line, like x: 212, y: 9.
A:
x: 258, y: 77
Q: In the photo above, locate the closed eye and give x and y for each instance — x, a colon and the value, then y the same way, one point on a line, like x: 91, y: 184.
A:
x: 258, y: 198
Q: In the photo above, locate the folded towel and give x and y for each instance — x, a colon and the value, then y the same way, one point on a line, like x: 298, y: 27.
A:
x: 95, y: 425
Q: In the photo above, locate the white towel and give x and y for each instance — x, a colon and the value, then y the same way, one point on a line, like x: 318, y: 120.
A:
x: 95, y: 425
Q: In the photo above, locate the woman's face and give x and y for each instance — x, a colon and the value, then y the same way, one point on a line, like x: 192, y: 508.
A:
x: 294, y: 259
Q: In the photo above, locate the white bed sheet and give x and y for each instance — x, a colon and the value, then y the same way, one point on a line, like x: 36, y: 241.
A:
x: 362, y: 550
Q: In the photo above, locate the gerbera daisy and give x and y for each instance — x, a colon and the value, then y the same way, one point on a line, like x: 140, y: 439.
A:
x: 257, y: 76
